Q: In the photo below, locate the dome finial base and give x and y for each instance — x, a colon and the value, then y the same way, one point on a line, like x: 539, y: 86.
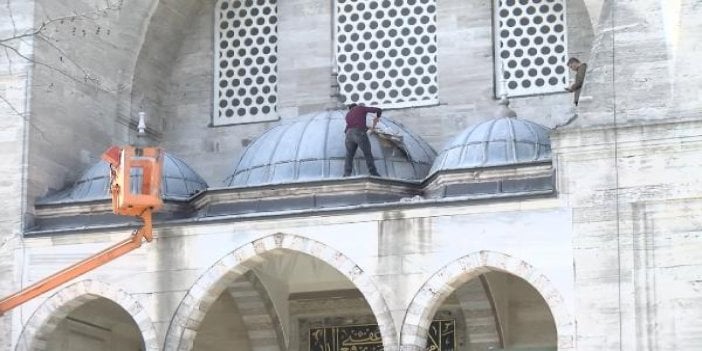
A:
x: 503, y: 111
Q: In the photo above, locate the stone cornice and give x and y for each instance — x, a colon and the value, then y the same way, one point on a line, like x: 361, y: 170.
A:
x: 346, y: 195
x: 587, y: 139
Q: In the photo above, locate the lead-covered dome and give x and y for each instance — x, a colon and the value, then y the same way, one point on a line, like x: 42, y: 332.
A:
x: 500, y: 141
x: 178, y: 182
x: 311, y: 147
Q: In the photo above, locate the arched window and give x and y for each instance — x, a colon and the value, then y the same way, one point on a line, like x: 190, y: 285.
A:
x: 386, y: 52
x: 245, y: 61
x: 530, y: 46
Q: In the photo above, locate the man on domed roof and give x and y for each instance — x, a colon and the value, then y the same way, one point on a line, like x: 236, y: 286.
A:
x: 356, y: 136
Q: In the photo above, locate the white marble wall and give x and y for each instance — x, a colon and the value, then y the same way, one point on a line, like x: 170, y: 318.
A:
x: 465, y: 79
x: 397, y: 254
x: 634, y: 221
x: 626, y: 220
x: 15, y: 89
x: 84, y: 63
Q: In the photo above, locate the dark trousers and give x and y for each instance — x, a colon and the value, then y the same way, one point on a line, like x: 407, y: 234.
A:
x: 355, y: 138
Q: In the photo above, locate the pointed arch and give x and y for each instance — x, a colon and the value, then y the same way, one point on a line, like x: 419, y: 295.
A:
x: 446, y: 280
x: 193, y: 307
x: 263, y: 327
x: 51, y: 312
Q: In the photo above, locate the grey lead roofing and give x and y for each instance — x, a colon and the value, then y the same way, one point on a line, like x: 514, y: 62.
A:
x: 500, y: 141
x: 311, y: 147
x: 178, y: 182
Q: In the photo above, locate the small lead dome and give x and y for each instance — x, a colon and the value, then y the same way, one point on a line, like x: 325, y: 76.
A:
x: 500, y: 141
x: 311, y: 147
x: 178, y: 182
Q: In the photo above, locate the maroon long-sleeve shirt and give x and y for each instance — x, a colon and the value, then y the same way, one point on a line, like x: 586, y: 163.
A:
x: 356, y: 117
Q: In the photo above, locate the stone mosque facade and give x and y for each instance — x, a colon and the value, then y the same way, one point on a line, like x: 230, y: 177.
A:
x: 505, y: 217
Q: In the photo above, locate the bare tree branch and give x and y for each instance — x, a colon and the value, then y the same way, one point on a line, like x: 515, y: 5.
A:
x: 37, y: 32
x: 34, y: 31
x: 9, y: 61
x: 23, y: 116
x: 92, y: 15
x: 12, y: 17
x: 11, y: 45
x: 11, y: 106
x: 86, y: 75
x: 51, y: 67
x: 6, y: 241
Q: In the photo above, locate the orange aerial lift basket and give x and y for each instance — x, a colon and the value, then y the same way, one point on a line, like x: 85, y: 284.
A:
x: 135, y: 188
x: 136, y: 179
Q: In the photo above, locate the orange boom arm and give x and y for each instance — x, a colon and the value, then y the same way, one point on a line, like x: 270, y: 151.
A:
x: 135, y: 190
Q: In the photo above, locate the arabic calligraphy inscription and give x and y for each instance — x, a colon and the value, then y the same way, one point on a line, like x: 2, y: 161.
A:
x: 367, y: 337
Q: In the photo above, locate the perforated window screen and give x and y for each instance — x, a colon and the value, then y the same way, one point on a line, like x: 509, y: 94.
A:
x: 246, y: 61
x: 386, y: 52
x: 530, y: 46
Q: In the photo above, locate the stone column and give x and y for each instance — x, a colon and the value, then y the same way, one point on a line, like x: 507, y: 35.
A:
x: 16, y: 18
x: 632, y: 150
x: 628, y: 72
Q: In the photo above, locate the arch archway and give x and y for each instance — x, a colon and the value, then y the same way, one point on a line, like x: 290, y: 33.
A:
x: 193, y: 307
x: 445, y: 281
x: 51, y: 312
x: 258, y: 314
